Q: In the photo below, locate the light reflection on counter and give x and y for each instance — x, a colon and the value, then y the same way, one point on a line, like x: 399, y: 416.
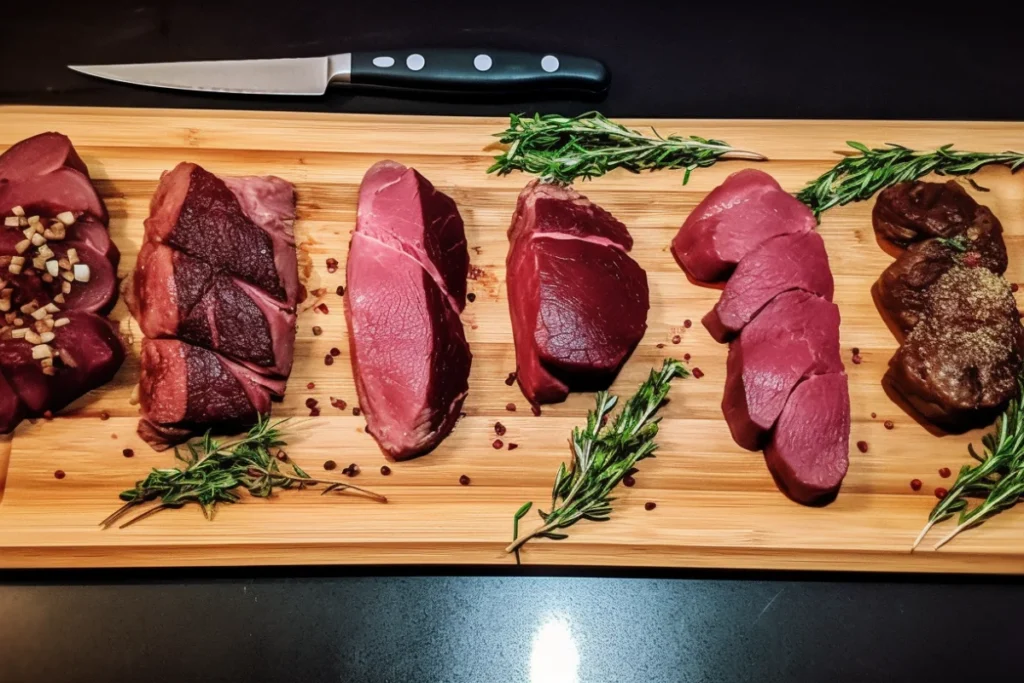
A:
x: 554, y: 657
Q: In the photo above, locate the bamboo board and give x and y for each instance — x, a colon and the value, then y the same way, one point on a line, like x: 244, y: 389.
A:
x: 716, y: 504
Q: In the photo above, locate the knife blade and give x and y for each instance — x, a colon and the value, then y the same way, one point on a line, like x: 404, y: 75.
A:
x: 432, y: 70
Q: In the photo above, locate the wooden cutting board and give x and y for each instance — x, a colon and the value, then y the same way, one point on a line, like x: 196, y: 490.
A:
x: 716, y: 504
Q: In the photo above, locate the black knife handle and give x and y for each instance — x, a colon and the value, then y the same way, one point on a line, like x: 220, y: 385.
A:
x: 485, y: 71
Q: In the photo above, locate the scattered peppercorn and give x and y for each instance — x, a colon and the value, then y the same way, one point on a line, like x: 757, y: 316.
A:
x: 628, y: 480
x: 59, y: 474
x: 314, y: 412
x: 686, y: 357
x: 128, y: 453
x: 510, y: 407
x: 385, y: 470
x: 47, y: 415
x: 659, y: 345
x: 511, y: 379
x: 335, y: 351
x: 332, y: 265
x: 945, y: 472
x: 512, y: 446
x: 340, y: 291
x: 330, y: 465
x: 888, y: 424
x: 328, y: 359
x: 311, y: 385
x: 464, y: 480
x: 499, y: 429
x: 1014, y: 286
x: 322, y: 308
x: 856, y: 351
x: 650, y: 505
x: 697, y: 373
x: 338, y: 403
x: 104, y: 415
x: 687, y: 323
x: 862, y: 446
x: 311, y: 402
x: 940, y: 493
x: 351, y: 471
x: 497, y: 444
x: 282, y: 456
x: 856, y: 359
x: 356, y: 411
x: 471, y: 297
x: 317, y: 330
x: 874, y: 415
x: 676, y: 339
x: 916, y: 484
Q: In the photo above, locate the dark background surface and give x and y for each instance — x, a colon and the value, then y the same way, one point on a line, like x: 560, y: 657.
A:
x: 365, y: 624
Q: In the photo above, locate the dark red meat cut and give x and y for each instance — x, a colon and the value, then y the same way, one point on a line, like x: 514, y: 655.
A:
x: 52, y: 348
x: 741, y: 213
x: 578, y: 301
x: 185, y: 389
x: 794, y: 261
x: 405, y: 287
x: 90, y: 352
x: 809, y: 451
x: 916, y: 210
x: 39, y: 155
x: 175, y: 295
x: 793, y: 337
x: 196, y: 212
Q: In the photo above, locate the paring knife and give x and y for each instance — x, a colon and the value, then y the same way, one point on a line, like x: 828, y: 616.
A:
x: 435, y: 70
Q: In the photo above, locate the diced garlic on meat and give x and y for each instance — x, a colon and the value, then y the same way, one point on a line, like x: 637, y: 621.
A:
x: 60, y: 297
x: 15, y: 268
x: 51, y: 308
x: 41, y: 351
x: 19, y: 332
x: 40, y: 314
x: 38, y: 239
x: 12, y: 222
x: 22, y: 246
x: 52, y: 268
x: 82, y: 273
x: 30, y: 307
x: 32, y: 337
x: 66, y: 217
x: 47, y: 337
x: 61, y: 322
x: 17, y: 211
x: 67, y: 275
x: 65, y: 287
x: 72, y: 256
x: 5, y: 305
x: 28, y: 233
x: 46, y: 252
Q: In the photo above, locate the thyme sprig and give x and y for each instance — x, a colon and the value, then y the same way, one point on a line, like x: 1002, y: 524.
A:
x: 562, y: 148
x: 212, y: 472
x: 865, y: 171
x: 603, y: 454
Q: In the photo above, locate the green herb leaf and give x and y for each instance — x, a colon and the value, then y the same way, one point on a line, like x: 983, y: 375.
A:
x: 997, y: 479
x: 212, y: 471
x: 562, y: 149
x: 604, y: 452
x: 859, y: 176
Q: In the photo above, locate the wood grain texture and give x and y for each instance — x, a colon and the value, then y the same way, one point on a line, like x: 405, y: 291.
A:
x: 717, y: 505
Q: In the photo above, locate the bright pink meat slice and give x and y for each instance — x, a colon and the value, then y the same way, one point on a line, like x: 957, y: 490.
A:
x: 578, y: 301
x: 809, y: 453
x: 741, y: 213
x: 794, y: 261
x: 406, y: 277
x: 793, y: 337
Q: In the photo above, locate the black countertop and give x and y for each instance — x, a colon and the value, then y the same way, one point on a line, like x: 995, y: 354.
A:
x: 403, y: 625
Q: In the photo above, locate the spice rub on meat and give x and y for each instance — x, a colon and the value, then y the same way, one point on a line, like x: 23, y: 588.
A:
x: 964, y: 345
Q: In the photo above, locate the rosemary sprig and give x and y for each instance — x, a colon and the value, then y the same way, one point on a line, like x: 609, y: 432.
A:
x: 562, y: 149
x: 866, y: 171
x: 602, y: 456
x: 213, y: 471
x: 997, y: 479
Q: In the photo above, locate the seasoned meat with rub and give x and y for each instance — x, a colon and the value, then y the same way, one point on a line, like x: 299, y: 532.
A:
x: 913, y: 211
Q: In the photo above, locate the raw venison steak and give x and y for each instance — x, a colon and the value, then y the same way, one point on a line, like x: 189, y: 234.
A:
x: 578, y: 301
x: 741, y: 213
x: 406, y: 285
